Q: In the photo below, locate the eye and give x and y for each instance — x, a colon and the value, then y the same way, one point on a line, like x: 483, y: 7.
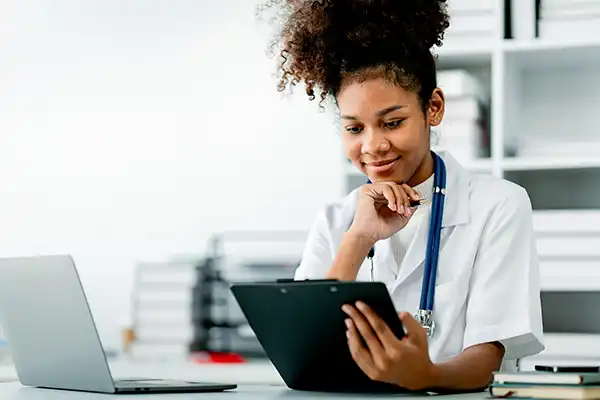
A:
x: 354, y: 129
x: 393, y: 124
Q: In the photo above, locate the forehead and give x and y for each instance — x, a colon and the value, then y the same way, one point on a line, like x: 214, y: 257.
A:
x: 370, y: 96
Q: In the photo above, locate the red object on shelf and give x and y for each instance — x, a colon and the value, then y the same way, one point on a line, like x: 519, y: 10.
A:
x: 217, y: 358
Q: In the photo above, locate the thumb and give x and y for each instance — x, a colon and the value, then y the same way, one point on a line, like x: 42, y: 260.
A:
x: 413, y: 328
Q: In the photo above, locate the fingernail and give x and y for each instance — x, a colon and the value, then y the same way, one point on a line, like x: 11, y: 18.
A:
x: 348, y: 322
x: 360, y: 305
x: 392, y: 207
x: 401, y: 209
x: 348, y: 334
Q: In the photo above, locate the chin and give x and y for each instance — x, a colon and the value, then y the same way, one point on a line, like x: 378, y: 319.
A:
x: 393, y: 177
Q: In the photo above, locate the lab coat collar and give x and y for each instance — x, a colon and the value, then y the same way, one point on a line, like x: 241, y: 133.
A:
x: 456, y: 212
x: 456, y: 206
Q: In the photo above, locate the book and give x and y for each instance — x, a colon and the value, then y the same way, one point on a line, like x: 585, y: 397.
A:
x: 547, y: 378
x: 544, y: 391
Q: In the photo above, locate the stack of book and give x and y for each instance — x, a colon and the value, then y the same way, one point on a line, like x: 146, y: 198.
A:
x: 473, y: 22
x: 464, y: 130
x: 162, y: 310
x: 569, y: 19
x: 567, y: 243
x: 546, y: 385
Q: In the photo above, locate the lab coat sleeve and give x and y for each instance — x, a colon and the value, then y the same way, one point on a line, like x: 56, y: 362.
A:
x: 317, y: 256
x: 504, y: 295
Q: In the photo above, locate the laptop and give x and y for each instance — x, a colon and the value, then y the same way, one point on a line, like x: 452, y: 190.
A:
x: 52, y: 335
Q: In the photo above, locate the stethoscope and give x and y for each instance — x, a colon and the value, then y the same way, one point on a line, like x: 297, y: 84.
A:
x: 425, y: 313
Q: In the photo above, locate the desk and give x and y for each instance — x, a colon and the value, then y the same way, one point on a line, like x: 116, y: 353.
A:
x: 256, y: 380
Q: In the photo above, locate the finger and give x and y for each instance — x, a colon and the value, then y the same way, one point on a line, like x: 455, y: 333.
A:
x: 390, y: 196
x: 364, y: 328
x: 387, y: 338
x: 406, y: 208
x: 359, y: 354
x: 414, y: 330
x: 412, y: 193
x: 401, y: 198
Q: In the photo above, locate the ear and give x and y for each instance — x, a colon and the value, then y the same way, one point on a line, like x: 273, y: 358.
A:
x: 435, y: 110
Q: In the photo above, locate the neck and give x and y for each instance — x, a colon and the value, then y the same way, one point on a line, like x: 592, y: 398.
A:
x: 423, y: 172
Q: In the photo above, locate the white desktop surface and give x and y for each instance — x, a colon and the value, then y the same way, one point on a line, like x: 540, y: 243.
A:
x: 255, y: 380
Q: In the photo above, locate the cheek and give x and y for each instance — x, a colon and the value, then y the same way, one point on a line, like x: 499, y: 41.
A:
x: 411, y: 136
x: 352, y: 147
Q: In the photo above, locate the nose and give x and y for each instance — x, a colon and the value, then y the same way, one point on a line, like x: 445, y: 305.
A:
x: 374, y: 142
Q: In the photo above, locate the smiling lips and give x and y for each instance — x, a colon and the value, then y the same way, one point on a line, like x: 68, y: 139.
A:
x: 382, y: 166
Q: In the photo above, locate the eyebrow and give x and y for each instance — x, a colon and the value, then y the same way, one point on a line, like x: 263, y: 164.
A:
x: 379, y: 113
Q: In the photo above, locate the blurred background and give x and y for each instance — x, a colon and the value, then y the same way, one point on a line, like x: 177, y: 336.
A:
x: 147, y: 139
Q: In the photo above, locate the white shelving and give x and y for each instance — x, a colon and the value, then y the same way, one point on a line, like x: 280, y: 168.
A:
x: 543, y: 53
x: 548, y: 163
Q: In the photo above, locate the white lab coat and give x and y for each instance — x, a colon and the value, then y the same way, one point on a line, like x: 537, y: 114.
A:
x: 488, y: 284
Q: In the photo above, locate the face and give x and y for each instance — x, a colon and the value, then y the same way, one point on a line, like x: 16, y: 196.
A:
x: 385, y: 131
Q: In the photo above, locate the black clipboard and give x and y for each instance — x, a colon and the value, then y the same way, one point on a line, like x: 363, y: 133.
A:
x: 300, y: 325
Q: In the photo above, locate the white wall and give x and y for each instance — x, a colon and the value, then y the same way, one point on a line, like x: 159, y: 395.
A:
x: 132, y: 130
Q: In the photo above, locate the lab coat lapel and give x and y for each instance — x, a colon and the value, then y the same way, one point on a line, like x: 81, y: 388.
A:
x: 456, y: 212
x: 416, y: 252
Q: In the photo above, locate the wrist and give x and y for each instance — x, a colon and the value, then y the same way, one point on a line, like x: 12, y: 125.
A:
x: 359, y: 239
x: 432, y: 378
x: 350, y: 256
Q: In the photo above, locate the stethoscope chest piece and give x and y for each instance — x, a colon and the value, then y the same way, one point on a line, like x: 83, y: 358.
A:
x: 425, y: 319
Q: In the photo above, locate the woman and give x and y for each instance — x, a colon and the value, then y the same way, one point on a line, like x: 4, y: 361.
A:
x: 373, y: 58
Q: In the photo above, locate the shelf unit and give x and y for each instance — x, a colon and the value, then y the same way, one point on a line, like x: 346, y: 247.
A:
x: 544, y: 104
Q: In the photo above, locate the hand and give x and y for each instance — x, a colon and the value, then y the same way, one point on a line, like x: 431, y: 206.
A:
x: 383, y: 209
x: 404, y: 362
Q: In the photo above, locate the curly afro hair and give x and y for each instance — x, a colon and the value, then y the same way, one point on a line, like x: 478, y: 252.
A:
x: 325, y: 43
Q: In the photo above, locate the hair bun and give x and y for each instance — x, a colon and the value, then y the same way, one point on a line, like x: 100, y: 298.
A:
x: 415, y: 24
x: 320, y: 39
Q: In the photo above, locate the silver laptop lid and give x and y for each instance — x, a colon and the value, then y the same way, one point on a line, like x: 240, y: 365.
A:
x: 47, y: 321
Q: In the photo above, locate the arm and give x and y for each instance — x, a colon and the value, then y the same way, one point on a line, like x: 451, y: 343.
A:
x: 471, y: 370
x: 373, y: 214
x: 349, y: 258
x: 318, y: 261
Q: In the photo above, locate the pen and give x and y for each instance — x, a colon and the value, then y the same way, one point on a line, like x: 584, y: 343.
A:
x: 416, y: 203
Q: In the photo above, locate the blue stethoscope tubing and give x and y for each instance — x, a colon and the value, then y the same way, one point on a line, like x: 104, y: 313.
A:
x: 433, y: 239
